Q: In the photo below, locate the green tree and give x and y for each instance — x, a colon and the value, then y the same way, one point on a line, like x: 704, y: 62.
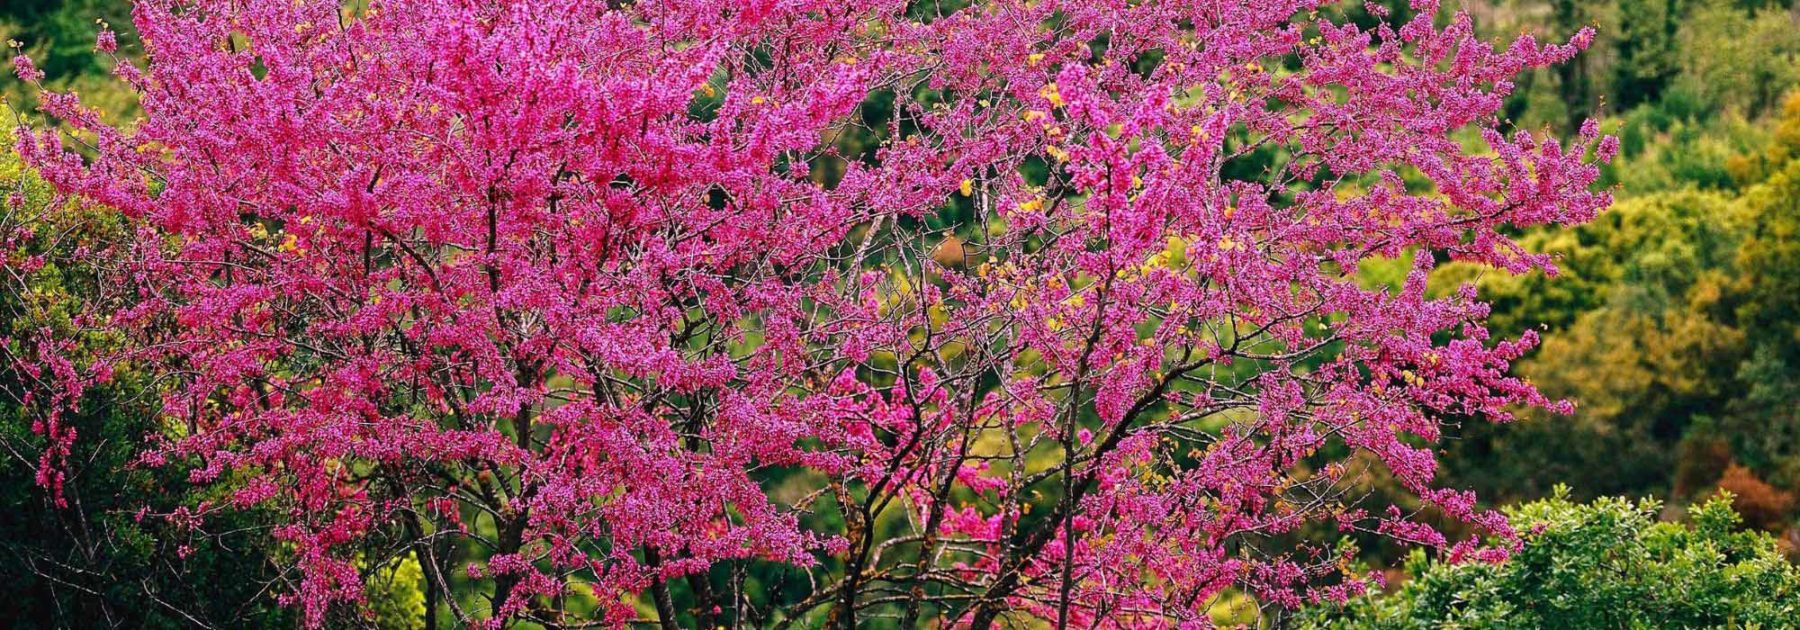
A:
x: 1731, y: 57
x: 1674, y: 327
x: 1635, y: 332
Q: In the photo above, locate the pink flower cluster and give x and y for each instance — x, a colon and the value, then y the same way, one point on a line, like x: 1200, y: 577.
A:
x: 1036, y: 307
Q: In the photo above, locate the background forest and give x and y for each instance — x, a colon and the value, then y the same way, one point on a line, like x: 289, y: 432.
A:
x: 1675, y: 324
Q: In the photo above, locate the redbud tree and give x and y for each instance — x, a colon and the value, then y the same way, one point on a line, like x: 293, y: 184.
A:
x: 817, y: 312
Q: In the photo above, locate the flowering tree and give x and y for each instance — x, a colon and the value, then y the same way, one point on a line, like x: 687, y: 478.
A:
x: 812, y: 311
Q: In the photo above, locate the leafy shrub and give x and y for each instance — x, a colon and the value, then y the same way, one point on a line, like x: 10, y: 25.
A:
x: 1605, y: 564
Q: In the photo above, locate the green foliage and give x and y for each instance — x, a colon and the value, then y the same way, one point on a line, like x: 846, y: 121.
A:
x: 1634, y: 334
x: 1698, y: 59
x: 95, y: 563
x: 1673, y: 326
x: 1750, y: 56
x: 396, y: 594
x: 1606, y: 564
x: 1663, y: 150
x: 59, y: 35
x: 1762, y: 419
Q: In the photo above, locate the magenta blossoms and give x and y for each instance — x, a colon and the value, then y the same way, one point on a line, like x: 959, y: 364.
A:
x: 812, y: 311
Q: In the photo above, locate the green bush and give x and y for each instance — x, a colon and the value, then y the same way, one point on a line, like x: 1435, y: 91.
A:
x: 1605, y: 564
x: 97, y: 561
